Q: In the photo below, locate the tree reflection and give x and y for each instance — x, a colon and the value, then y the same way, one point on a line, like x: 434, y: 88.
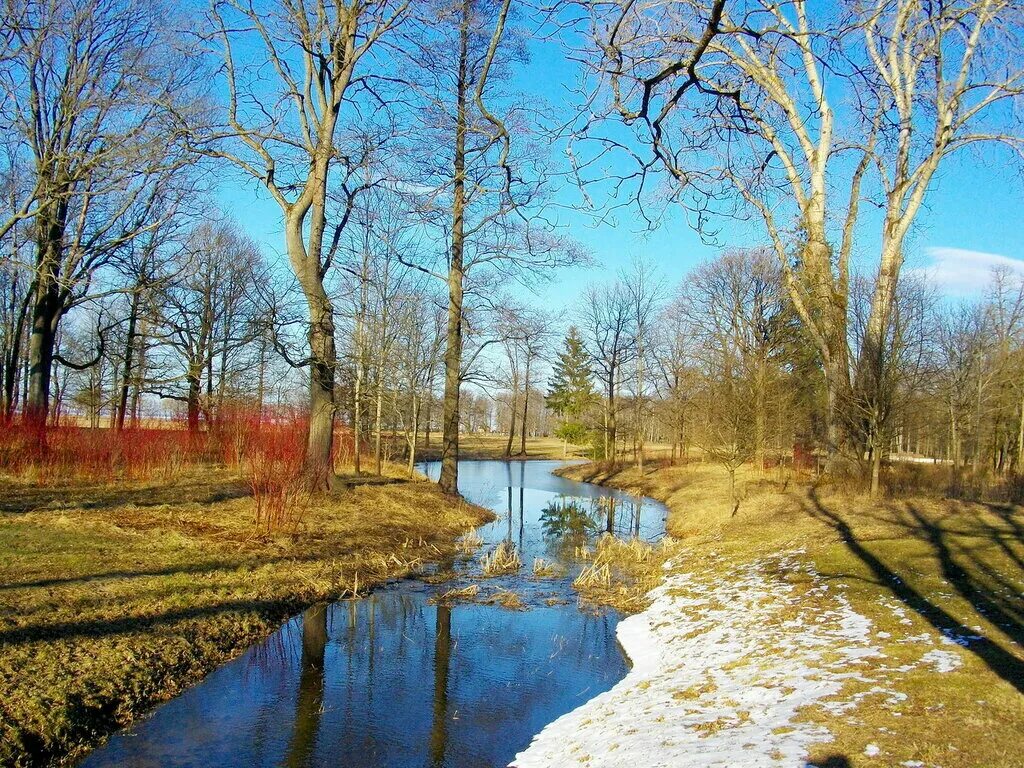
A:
x: 442, y: 661
x: 567, y: 518
x: 310, y: 699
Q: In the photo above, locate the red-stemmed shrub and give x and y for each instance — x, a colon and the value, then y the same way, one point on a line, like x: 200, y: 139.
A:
x: 274, y: 454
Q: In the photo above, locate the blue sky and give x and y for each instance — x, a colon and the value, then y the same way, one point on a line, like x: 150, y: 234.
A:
x: 972, y: 221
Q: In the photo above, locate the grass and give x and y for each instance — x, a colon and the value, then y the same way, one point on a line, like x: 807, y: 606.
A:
x: 115, y: 598
x: 621, y: 573
x: 922, y: 568
x: 545, y: 569
x: 503, y: 559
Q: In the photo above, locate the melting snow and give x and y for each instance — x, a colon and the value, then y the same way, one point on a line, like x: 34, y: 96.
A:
x: 721, y: 666
x: 942, y: 661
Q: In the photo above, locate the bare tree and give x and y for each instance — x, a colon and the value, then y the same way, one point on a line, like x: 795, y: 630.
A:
x: 610, y: 334
x: 284, y: 130
x: 646, y: 293
x: 487, y: 185
x: 738, y: 100
x: 207, y: 320
x: 99, y: 88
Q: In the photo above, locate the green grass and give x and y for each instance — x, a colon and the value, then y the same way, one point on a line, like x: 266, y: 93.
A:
x: 921, y: 568
x: 113, y: 599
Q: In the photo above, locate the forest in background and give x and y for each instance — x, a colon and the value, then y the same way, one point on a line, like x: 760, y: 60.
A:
x: 418, y: 191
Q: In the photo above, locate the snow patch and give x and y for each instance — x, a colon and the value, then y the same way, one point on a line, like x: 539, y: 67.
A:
x: 942, y: 661
x: 721, y: 667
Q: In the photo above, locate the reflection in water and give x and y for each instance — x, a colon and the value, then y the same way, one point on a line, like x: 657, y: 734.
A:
x: 393, y: 680
x: 564, y: 518
x: 465, y: 687
x: 309, y: 702
x: 442, y: 656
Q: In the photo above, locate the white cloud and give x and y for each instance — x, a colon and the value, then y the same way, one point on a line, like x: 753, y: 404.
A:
x: 959, y: 271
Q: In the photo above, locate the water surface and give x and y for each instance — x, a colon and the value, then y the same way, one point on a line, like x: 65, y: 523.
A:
x: 395, y: 680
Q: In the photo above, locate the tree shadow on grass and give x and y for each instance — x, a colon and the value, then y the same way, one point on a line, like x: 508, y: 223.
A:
x: 195, y: 569
x: 832, y: 761
x: 1000, y: 609
x: 93, y: 628
x: 19, y: 498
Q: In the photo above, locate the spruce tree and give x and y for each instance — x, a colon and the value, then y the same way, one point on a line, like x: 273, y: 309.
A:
x: 570, y: 390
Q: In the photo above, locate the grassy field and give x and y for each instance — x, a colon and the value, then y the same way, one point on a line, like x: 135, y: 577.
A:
x: 116, y: 597
x: 930, y: 573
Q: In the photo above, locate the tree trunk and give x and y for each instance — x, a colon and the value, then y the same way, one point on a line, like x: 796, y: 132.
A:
x: 526, y: 409
x: 759, y: 413
x: 12, y: 367
x: 638, y: 411
x: 377, y: 424
x: 512, y: 418
x: 357, y: 401
x: 319, y: 465
x: 192, y: 402
x: 415, y: 433
x: 611, y: 417
x: 426, y: 416
x: 51, y: 225
x: 126, y: 375
x: 449, y: 479
x: 876, y: 464
x: 1019, y: 463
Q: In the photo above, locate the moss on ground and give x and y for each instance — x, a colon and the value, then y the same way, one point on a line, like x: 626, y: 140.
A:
x: 115, y: 598
x: 932, y: 574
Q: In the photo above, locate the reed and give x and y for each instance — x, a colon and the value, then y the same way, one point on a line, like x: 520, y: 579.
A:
x: 504, y: 558
x: 543, y: 569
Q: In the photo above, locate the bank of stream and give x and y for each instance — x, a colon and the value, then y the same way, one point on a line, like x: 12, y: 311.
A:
x: 408, y: 677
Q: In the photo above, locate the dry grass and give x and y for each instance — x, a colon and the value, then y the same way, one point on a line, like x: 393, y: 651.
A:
x: 920, y: 568
x: 544, y: 569
x: 113, y: 599
x: 470, y: 542
x: 456, y: 595
x: 621, y: 573
x: 507, y: 599
x: 501, y: 560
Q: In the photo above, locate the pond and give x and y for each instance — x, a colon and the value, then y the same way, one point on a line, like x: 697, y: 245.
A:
x: 395, y: 679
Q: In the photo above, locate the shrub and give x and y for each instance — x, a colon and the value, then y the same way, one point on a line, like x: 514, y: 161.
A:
x: 274, y: 468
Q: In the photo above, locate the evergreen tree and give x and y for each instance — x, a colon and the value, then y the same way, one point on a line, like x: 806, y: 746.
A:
x: 570, y: 390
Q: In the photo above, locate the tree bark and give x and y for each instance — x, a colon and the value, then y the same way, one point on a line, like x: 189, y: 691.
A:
x: 449, y: 478
x: 377, y: 424
x: 46, y: 309
x: 526, y: 409
x: 192, y: 401
x: 319, y: 464
x: 513, y: 405
x: 13, y: 361
x: 129, y: 350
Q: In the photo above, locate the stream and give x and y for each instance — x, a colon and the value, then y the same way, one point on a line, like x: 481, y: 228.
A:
x: 394, y: 679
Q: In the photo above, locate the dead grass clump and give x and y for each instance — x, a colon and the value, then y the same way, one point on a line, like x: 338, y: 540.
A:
x: 470, y: 542
x: 507, y: 599
x: 504, y: 558
x: 621, y: 573
x: 542, y: 569
x: 456, y: 595
x: 592, y: 576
